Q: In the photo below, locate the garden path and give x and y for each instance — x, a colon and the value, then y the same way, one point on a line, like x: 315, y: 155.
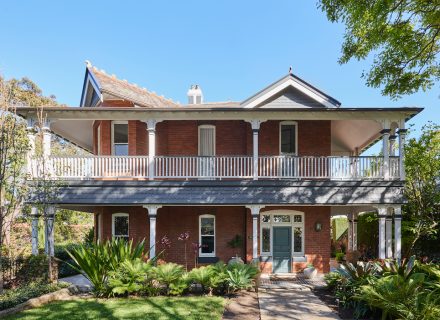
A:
x: 291, y: 300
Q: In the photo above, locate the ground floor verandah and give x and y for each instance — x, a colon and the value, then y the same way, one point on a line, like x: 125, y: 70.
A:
x: 283, y: 239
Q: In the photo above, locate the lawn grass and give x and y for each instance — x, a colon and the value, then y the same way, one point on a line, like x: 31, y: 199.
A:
x: 132, y: 308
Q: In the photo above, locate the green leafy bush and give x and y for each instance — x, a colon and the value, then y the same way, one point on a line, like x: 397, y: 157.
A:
x: 97, y: 260
x: 12, y: 297
x: 131, y: 276
x: 339, y: 256
x: 402, y: 297
x: 169, y: 275
x: 33, y: 269
x: 64, y: 260
x: 241, y: 276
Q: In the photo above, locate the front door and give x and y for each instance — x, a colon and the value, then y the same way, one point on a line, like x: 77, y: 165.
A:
x: 282, y: 248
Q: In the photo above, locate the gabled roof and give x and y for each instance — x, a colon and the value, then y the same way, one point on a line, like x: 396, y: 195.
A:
x: 122, y: 89
x: 296, y: 83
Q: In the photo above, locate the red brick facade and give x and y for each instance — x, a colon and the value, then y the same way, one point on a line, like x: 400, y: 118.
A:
x: 232, y: 138
x: 230, y: 221
x: 174, y: 138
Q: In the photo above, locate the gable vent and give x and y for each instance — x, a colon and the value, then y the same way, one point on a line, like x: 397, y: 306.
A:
x: 195, y: 95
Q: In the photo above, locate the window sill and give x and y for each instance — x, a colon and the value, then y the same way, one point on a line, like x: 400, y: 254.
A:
x: 299, y: 259
x: 207, y: 259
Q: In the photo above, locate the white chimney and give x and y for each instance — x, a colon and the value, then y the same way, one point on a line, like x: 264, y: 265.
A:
x: 195, y: 95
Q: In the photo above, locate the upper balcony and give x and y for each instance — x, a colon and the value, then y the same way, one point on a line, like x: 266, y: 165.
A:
x: 218, y: 167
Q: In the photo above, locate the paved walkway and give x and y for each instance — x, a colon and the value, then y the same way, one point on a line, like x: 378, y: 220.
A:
x: 81, y: 282
x: 291, y: 300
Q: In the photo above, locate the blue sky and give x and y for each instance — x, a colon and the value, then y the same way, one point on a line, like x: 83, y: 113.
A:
x: 231, y: 48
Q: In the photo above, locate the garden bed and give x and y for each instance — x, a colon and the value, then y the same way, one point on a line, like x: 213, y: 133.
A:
x: 164, y: 308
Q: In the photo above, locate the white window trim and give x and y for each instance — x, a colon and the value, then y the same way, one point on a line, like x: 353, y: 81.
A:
x: 120, y: 214
x: 207, y: 126
x: 113, y: 134
x: 200, y: 236
x: 292, y: 224
x: 282, y: 123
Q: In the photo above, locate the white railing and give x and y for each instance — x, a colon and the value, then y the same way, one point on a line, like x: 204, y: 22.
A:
x: 219, y: 167
x: 204, y: 167
x: 343, y: 168
x: 100, y: 167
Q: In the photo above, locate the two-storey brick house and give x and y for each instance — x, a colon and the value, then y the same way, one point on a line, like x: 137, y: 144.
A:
x: 268, y: 172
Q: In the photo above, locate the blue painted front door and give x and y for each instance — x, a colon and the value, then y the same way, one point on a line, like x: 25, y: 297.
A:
x: 282, y: 248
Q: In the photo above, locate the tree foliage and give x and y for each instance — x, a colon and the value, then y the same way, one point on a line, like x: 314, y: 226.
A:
x: 422, y: 188
x: 403, y: 36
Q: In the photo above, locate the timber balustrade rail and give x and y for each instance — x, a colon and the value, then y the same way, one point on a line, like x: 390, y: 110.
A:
x: 218, y: 167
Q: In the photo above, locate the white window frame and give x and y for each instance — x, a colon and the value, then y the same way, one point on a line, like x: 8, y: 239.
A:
x: 113, y: 134
x: 206, y: 126
x: 285, y: 123
x: 200, y: 235
x: 120, y: 214
x: 271, y: 224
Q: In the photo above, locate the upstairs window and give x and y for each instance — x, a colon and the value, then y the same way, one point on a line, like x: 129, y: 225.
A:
x: 206, y: 140
x: 120, y: 138
x: 207, y: 236
x: 120, y: 225
x: 288, y: 137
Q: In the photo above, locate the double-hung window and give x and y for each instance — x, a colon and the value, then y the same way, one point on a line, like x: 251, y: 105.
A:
x: 120, y: 223
x: 207, y: 235
x: 120, y: 138
x: 288, y: 137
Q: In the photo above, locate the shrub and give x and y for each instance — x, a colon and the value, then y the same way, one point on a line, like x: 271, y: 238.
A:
x: 33, y: 269
x: 205, y: 276
x: 11, y: 298
x: 402, y: 297
x: 169, y: 275
x: 333, y: 279
x: 131, y: 276
x: 95, y: 261
x: 339, y: 256
x: 65, y: 262
x: 241, y: 276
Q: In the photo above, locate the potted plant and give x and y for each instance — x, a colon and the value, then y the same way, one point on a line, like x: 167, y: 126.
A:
x: 310, y: 272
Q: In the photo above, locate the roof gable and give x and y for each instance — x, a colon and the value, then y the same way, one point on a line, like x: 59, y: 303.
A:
x: 293, y: 91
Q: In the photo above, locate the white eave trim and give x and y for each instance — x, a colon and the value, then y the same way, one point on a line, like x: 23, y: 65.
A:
x: 289, y: 83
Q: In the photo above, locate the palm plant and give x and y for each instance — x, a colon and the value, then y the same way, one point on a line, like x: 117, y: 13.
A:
x: 168, y: 274
x: 203, y: 276
x: 131, y: 276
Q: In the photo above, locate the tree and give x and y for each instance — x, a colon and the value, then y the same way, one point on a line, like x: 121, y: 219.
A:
x: 422, y: 188
x: 403, y: 36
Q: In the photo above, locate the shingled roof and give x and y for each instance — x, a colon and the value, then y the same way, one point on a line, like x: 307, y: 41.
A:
x: 111, y: 85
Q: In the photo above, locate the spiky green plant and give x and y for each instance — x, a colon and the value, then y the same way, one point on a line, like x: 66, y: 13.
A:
x: 402, y: 297
x: 241, y: 276
x: 203, y: 276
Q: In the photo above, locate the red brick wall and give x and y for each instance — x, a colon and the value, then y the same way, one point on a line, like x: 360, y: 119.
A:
x: 232, y: 137
x: 230, y: 221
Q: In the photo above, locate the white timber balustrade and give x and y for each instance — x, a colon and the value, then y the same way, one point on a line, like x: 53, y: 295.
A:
x: 88, y: 167
x: 218, y: 167
x: 204, y: 167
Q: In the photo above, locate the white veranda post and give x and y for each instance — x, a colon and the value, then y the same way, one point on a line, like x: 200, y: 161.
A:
x: 152, y: 214
x: 382, y: 210
x: 34, y: 225
x: 151, y: 128
x: 255, y: 211
x: 397, y: 232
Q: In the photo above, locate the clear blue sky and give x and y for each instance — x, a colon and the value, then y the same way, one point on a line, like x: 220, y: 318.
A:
x: 231, y: 48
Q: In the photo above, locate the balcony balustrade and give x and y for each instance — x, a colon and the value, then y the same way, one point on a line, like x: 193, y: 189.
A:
x: 217, y: 167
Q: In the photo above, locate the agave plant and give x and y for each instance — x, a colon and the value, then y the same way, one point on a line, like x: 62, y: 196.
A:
x: 359, y: 273
x: 404, y: 268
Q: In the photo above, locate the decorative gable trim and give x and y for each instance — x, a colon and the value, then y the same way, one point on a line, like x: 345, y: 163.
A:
x: 90, y: 80
x: 296, y: 83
